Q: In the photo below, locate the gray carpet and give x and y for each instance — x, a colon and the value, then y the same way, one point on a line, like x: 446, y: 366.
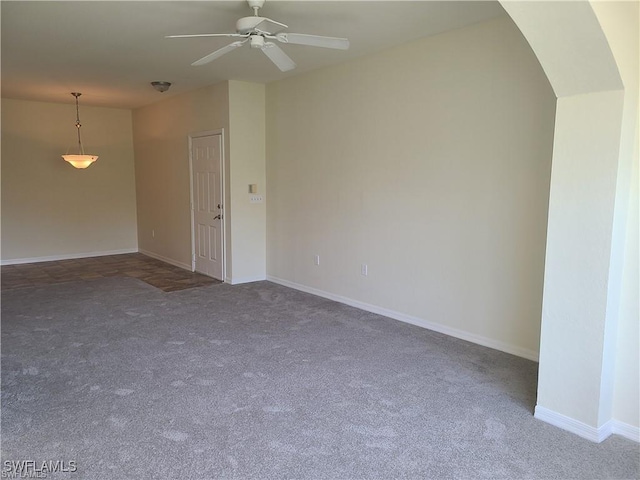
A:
x: 260, y: 381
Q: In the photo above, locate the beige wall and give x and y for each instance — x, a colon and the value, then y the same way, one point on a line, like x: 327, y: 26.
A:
x: 50, y: 209
x: 161, y: 138
x: 428, y: 162
x: 247, y: 166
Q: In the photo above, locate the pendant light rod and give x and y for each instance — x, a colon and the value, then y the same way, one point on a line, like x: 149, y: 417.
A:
x: 78, y: 124
x: 81, y: 160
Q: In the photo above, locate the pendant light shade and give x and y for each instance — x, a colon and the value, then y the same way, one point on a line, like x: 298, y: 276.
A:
x: 79, y: 160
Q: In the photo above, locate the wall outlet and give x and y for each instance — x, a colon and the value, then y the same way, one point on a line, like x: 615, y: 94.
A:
x: 316, y: 259
x: 256, y: 199
x: 364, y: 270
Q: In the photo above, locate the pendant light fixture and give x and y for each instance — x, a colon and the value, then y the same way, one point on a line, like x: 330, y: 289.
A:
x: 81, y: 160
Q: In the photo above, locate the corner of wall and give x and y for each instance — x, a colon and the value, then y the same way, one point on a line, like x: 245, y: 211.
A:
x: 247, y: 166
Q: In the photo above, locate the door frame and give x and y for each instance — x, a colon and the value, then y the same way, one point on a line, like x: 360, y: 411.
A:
x: 191, y: 137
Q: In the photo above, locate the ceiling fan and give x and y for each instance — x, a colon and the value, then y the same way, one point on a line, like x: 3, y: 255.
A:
x: 259, y: 31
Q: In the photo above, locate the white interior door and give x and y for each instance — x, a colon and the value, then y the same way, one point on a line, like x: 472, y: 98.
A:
x: 206, y: 204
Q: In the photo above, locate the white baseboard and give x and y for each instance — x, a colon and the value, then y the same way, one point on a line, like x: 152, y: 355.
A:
x: 625, y: 430
x: 166, y: 260
x: 572, y: 425
x: 437, y: 327
x: 68, y: 256
x: 612, y: 427
x: 240, y: 280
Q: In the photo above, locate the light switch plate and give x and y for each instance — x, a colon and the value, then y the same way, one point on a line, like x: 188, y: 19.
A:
x: 256, y: 199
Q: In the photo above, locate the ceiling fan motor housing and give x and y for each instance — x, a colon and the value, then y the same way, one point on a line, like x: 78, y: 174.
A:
x: 248, y: 24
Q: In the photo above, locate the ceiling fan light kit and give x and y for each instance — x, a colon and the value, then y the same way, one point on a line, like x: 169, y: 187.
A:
x: 257, y: 41
x: 259, y: 31
x: 79, y: 160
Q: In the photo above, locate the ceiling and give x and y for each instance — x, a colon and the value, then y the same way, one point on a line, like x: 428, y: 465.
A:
x: 111, y: 50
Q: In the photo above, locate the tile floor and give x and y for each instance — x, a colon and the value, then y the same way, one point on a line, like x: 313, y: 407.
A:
x: 159, y: 274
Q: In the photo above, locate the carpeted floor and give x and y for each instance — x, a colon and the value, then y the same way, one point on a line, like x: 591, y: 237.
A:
x: 260, y: 381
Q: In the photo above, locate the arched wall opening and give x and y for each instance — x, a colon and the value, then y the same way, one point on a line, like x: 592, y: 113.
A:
x: 596, y: 123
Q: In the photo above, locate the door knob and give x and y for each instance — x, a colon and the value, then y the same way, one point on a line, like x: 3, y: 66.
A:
x: 218, y: 217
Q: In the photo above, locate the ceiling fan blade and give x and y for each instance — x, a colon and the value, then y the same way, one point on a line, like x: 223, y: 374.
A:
x: 277, y: 56
x: 270, y: 26
x: 313, y: 40
x: 196, y: 35
x: 218, y: 53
